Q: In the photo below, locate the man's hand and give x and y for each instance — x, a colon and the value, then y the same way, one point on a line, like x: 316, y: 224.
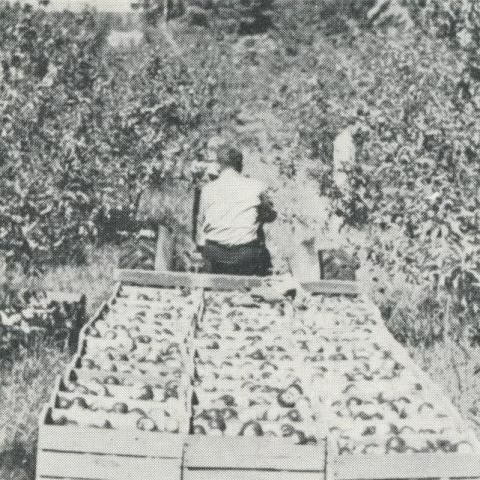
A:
x: 266, y: 211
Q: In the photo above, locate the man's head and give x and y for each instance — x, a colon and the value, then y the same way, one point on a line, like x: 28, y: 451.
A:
x: 213, y: 145
x: 229, y: 157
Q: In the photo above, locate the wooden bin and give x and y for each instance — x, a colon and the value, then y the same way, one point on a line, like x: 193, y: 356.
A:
x: 241, y: 458
x: 73, y: 453
x: 67, y: 453
x: 77, y: 453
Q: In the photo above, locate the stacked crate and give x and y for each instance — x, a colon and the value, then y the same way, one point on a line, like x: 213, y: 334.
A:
x: 198, y: 376
x: 130, y: 379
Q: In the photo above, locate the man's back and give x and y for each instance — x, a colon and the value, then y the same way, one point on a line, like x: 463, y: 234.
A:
x: 230, y: 209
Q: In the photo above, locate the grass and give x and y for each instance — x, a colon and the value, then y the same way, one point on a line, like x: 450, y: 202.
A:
x: 25, y: 386
x: 26, y: 381
x: 453, y: 366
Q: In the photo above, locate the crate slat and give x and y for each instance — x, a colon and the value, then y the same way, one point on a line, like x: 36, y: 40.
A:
x: 253, y: 453
x: 407, y: 466
x: 250, y: 475
x: 225, y: 282
x: 70, y: 439
x: 85, y: 374
x: 181, y: 279
x: 60, y: 464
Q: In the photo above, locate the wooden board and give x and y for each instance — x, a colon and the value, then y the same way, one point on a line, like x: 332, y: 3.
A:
x: 101, y: 454
x: 247, y: 453
x: 84, y: 374
x: 226, y: 282
x: 406, y: 466
x: 230, y: 474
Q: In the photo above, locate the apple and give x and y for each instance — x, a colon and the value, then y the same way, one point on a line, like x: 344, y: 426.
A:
x: 172, y: 425
x: 120, y: 408
x: 251, y: 429
x: 110, y: 335
x: 111, y: 380
x: 94, y: 332
x: 79, y: 402
x: 63, y: 402
x: 146, y: 424
x: 145, y: 392
x: 199, y: 430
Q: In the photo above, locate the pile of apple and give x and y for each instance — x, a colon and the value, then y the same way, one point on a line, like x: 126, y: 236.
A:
x: 246, y: 373
x: 264, y: 369
x: 236, y: 364
x: 133, y: 367
x: 366, y: 400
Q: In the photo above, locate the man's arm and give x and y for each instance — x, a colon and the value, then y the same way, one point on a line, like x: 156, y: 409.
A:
x: 266, y: 210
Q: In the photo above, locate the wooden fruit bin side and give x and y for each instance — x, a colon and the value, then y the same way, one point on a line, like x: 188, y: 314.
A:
x: 412, y: 465
x: 98, y: 313
x: 406, y: 466
x: 66, y: 452
x: 252, y: 458
x: 226, y: 282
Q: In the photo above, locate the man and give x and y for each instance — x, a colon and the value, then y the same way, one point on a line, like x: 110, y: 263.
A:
x: 344, y: 152
x: 233, y: 209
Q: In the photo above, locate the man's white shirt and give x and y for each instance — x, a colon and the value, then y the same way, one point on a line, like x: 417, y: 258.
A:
x: 343, y: 158
x: 228, y: 209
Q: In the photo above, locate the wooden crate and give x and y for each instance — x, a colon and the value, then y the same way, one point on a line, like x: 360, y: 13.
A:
x: 406, y: 466
x: 68, y: 453
x: 412, y: 465
x: 241, y: 458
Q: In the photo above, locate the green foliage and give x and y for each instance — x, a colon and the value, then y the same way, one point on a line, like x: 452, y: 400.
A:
x: 84, y: 129
x: 417, y: 188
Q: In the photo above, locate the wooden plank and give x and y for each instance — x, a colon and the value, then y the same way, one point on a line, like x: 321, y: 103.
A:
x: 164, y: 250
x: 226, y: 282
x: 106, y: 467
x: 333, y: 287
x: 253, y: 453
x: 406, y: 466
x: 85, y: 374
x: 116, y: 442
x: 104, y: 306
x: 249, y: 475
x: 182, y: 279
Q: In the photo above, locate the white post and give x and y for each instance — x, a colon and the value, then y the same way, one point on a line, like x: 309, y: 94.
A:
x: 165, y: 249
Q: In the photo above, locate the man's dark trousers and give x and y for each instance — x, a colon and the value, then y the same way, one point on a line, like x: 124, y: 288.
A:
x: 249, y: 259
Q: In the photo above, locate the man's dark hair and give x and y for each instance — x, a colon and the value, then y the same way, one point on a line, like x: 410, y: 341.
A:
x: 229, y: 157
